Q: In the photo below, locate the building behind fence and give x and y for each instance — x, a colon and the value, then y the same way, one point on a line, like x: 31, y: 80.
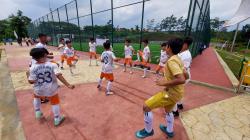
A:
x: 79, y: 22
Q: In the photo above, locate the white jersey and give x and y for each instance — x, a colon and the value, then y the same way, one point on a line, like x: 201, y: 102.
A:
x: 146, y: 53
x: 128, y: 50
x: 69, y: 52
x: 45, y: 78
x: 40, y: 45
x: 108, y: 59
x: 163, y: 58
x: 92, y: 47
x: 186, y: 58
x: 62, y: 47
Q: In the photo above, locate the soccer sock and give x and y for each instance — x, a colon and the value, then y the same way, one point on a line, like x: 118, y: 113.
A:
x: 175, y: 108
x: 148, y: 121
x: 74, y: 63
x: 170, y: 122
x: 56, y: 111
x: 61, y: 64
x: 109, y: 85
x: 100, y: 81
x: 37, y: 104
x: 145, y: 72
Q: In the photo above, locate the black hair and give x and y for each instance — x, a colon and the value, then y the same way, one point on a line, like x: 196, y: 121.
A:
x: 38, y: 53
x: 106, y: 45
x: 145, y: 41
x: 91, y: 39
x: 128, y: 40
x: 188, y: 40
x: 164, y: 44
x: 41, y: 35
x: 61, y: 39
x: 68, y: 41
x: 175, y: 44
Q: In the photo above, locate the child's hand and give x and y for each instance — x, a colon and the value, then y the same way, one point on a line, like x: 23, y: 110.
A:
x: 71, y: 86
x: 160, y: 82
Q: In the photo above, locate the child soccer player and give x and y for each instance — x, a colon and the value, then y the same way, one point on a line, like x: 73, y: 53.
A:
x: 61, y: 47
x: 145, y: 55
x: 92, y: 51
x: 43, y: 74
x: 70, y: 55
x: 186, y: 58
x: 107, y: 59
x: 173, y: 85
x: 128, y: 51
x: 163, y: 58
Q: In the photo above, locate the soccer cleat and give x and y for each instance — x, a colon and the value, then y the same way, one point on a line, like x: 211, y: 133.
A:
x: 141, y: 134
x: 164, y: 130
x: 58, y: 121
x: 109, y: 93
x: 180, y: 106
x: 38, y: 114
x: 176, y: 113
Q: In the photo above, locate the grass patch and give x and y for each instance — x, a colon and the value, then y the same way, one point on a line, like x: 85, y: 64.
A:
x: 232, y: 60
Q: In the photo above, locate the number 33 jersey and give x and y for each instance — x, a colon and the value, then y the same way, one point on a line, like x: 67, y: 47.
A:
x: 108, y: 59
x: 45, y: 78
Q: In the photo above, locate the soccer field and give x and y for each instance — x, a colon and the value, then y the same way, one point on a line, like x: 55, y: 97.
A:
x: 119, y: 50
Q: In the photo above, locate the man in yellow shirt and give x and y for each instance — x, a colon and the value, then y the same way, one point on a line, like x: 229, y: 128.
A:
x: 173, y: 84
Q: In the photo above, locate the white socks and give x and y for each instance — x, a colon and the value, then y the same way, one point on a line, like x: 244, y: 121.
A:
x: 148, y: 121
x: 100, y: 81
x: 89, y: 61
x: 109, y: 85
x: 170, y: 122
x: 145, y: 72
x: 37, y: 104
x: 56, y: 111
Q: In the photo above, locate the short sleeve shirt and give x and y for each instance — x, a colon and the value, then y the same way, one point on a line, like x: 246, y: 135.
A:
x: 62, y: 47
x: 92, y: 47
x: 45, y: 76
x: 69, y: 52
x: 146, y: 53
x: 40, y: 45
x: 108, y: 59
x: 128, y: 50
x: 164, y: 57
x: 186, y: 58
x: 174, y: 66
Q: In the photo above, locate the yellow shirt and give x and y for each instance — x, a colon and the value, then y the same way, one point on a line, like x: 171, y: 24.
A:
x: 173, y: 67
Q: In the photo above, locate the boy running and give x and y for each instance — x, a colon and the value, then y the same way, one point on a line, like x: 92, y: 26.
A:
x: 186, y: 58
x: 163, y: 58
x: 173, y: 85
x: 43, y: 74
x: 128, y: 51
x: 70, y: 55
x: 107, y: 59
x: 145, y: 55
x: 92, y: 51
x: 61, y: 47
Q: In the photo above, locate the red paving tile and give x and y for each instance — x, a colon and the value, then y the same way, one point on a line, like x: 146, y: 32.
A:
x: 93, y: 116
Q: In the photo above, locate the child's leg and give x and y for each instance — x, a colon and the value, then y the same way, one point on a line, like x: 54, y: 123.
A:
x: 90, y: 58
x: 170, y: 122
x: 109, y: 86
x: 144, y: 72
x: 37, y: 104
x: 109, y: 77
x: 96, y: 59
x: 125, y: 65
x: 131, y: 66
x: 58, y: 119
x: 100, y: 80
x: 148, y: 121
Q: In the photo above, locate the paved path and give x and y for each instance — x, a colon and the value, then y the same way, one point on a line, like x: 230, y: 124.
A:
x: 93, y: 116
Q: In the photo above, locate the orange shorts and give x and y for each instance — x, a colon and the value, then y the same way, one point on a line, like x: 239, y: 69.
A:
x: 54, y: 100
x: 63, y: 57
x: 108, y: 76
x: 70, y: 59
x: 143, y: 62
x: 128, y: 61
x: 92, y: 54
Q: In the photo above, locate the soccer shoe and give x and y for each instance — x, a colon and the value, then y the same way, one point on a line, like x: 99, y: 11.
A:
x: 141, y: 134
x: 109, y: 93
x: 58, y: 121
x: 176, y: 113
x: 164, y: 130
x: 38, y: 115
x: 180, y: 106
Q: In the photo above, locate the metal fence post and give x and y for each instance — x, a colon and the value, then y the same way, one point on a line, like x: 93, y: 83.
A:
x: 66, y: 10
x: 53, y: 32
x: 112, y: 23
x: 142, y: 20
x: 59, y: 21
x: 78, y: 22
x: 92, y: 19
x: 53, y: 24
x: 189, y: 11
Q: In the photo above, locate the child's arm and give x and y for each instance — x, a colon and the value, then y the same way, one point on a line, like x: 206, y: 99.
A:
x: 28, y: 75
x: 179, y: 79
x: 61, y: 78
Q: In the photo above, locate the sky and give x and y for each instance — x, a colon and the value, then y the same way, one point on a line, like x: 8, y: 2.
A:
x: 124, y: 17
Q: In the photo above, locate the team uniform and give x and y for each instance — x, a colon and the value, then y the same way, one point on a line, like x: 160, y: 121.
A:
x: 70, y: 55
x: 128, y: 50
x: 92, y: 50
x: 163, y: 60
x: 62, y: 47
x: 145, y: 55
x: 166, y: 98
x: 107, y: 58
x: 41, y: 45
x: 45, y: 85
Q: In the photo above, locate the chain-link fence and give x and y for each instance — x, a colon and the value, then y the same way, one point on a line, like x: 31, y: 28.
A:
x: 132, y: 19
